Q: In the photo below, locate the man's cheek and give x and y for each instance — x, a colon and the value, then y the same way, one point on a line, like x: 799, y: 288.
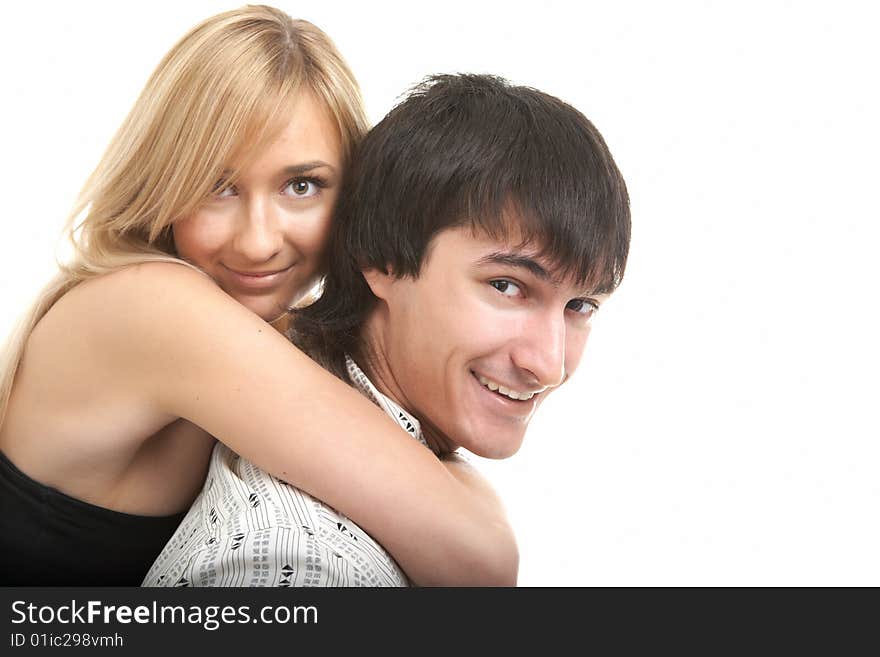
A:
x: 574, y: 350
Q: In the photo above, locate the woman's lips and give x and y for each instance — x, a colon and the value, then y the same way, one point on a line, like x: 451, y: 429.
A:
x: 257, y: 280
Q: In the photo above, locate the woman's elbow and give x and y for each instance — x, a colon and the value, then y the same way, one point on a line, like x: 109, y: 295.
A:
x: 500, y: 568
x: 492, y: 564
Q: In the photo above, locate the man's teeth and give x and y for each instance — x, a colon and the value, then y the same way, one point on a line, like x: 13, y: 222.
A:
x: 507, y: 392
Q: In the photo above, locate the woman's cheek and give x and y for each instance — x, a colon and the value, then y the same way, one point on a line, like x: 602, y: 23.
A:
x: 199, y: 238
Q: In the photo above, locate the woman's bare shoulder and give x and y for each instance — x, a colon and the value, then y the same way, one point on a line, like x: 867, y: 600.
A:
x: 116, y: 325
x: 139, y: 300
x: 140, y: 284
x: 80, y: 392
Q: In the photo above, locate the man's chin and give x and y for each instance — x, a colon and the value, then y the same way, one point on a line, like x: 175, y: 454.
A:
x: 494, y: 445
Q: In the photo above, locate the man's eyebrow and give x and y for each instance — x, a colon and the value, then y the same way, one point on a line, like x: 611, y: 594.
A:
x: 305, y: 167
x: 517, y: 260
x: 514, y: 259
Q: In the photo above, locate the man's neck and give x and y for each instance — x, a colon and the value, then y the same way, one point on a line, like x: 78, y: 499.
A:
x: 372, y: 359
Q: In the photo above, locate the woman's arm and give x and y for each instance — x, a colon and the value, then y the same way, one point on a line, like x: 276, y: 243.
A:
x: 175, y: 339
x: 468, y: 476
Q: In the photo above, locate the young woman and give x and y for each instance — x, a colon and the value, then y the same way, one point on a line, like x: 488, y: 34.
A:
x: 204, y: 221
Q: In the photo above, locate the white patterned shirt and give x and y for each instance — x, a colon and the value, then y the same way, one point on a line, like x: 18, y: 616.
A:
x: 248, y: 528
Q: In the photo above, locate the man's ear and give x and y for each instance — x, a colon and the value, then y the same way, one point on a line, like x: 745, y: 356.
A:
x: 379, y: 280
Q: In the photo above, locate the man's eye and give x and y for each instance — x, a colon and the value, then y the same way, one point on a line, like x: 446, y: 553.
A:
x: 586, y: 309
x: 507, y: 288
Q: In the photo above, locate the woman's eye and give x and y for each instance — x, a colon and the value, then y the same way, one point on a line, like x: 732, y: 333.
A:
x: 223, y: 190
x: 301, y: 188
x: 507, y: 288
x: 586, y: 309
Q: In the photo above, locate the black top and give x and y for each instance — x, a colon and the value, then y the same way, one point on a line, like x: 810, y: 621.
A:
x: 48, y: 538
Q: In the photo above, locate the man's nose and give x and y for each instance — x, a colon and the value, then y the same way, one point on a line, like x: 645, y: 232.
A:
x: 259, y: 236
x: 540, y: 348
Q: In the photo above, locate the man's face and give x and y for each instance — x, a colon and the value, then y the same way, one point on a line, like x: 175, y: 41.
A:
x: 476, y: 343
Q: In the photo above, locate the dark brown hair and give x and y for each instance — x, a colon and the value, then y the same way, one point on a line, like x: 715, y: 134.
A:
x: 468, y: 150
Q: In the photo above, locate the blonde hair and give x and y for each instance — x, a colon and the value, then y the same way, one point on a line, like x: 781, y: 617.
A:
x: 221, y: 93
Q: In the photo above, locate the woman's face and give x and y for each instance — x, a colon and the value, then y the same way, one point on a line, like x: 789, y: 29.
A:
x: 262, y: 238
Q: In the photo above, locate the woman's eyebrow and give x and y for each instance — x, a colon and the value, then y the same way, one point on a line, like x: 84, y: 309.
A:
x: 305, y: 167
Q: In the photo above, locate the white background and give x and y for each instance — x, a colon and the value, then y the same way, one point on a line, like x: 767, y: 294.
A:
x: 722, y: 427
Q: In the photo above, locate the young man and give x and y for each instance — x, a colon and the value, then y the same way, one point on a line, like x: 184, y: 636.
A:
x: 480, y: 228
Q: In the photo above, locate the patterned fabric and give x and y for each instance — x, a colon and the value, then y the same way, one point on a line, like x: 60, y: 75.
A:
x: 248, y: 528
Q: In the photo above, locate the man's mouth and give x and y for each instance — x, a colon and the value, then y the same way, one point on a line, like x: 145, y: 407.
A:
x: 501, y: 389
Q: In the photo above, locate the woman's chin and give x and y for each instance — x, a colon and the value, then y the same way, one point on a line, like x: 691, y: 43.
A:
x: 269, y: 310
